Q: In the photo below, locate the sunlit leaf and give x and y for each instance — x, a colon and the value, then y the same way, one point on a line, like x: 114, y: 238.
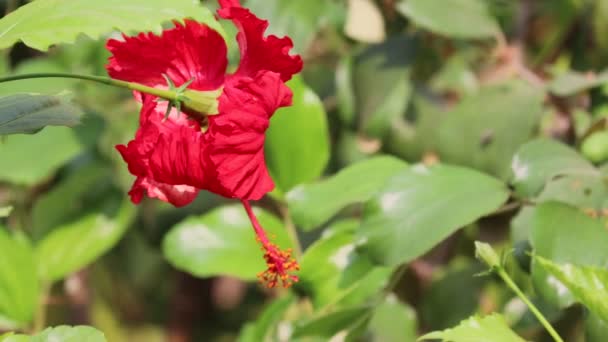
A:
x: 421, y: 206
x: 477, y: 329
x: 19, y: 287
x: 221, y: 242
x: 42, y: 23
x: 586, y: 283
x: 313, y: 204
x: 73, y: 246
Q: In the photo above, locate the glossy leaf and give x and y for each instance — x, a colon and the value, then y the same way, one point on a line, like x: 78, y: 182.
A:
x: 73, y: 246
x: 477, y: 329
x: 565, y: 234
x: 215, y: 243
x: 42, y: 23
x: 328, y: 325
x: 19, y: 288
x: 452, y: 18
x: 313, y: 204
x: 421, y: 206
x: 297, y: 142
x: 29, y: 113
x: 587, y: 284
x: 35, y: 157
x: 541, y: 160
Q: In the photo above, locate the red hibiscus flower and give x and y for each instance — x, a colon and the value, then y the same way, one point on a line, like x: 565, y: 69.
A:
x: 175, y: 156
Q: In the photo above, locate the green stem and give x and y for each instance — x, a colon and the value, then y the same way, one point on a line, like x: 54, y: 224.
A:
x: 505, y: 277
x: 162, y: 93
x: 291, y: 230
x: 40, y: 317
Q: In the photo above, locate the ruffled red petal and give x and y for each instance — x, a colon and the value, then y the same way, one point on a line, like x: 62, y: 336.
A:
x: 141, y: 156
x: 259, y: 53
x: 235, y: 139
x: 190, y: 50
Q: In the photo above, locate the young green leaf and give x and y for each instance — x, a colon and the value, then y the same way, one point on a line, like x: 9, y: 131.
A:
x: 477, y: 329
x: 586, y: 283
x: 61, y: 333
x: 421, y: 206
x: 29, y: 113
x: 313, y: 204
x: 215, y: 243
x: 42, y: 23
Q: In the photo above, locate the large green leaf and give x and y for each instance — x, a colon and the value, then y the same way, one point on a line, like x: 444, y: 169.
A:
x: 485, y: 129
x: 541, y: 160
x: 334, y: 273
x: 477, y: 329
x: 452, y: 18
x: 313, y: 204
x: 43, y: 23
x: 564, y: 234
x: 297, y: 142
x: 29, y: 113
x: 221, y: 242
x: 32, y: 158
x: 73, y: 246
x: 587, y: 284
x: 328, y: 325
x: 421, y: 206
x: 19, y: 287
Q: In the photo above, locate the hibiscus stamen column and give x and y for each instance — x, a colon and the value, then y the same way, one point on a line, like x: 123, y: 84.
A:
x: 280, y: 263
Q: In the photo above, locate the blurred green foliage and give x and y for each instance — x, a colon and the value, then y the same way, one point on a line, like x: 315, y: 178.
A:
x: 418, y: 127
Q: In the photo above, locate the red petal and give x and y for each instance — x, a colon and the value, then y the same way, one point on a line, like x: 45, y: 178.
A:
x: 141, y: 153
x: 258, y: 52
x: 190, y: 50
x: 235, y: 139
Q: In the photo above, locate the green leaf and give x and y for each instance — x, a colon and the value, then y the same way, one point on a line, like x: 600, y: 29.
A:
x: 11, y: 337
x: 265, y: 327
x: 541, y: 160
x: 587, y: 284
x: 19, y: 287
x: 29, y: 113
x: 222, y: 242
x: 313, y: 204
x: 485, y: 130
x: 421, y: 206
x: 453, y: 18
x: 297, y: 142
x: 328, y: 325
x: 477, y: 329
x: 42, y: 23
x: 66, y: 333
x: 334, y: 273
x: 393, y: 321
x: 595, y: 147
x: 5, y: 211
x: 564, y: 234
x: 381, y: 83
x: 34, y: 158
x: 73, y: 246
